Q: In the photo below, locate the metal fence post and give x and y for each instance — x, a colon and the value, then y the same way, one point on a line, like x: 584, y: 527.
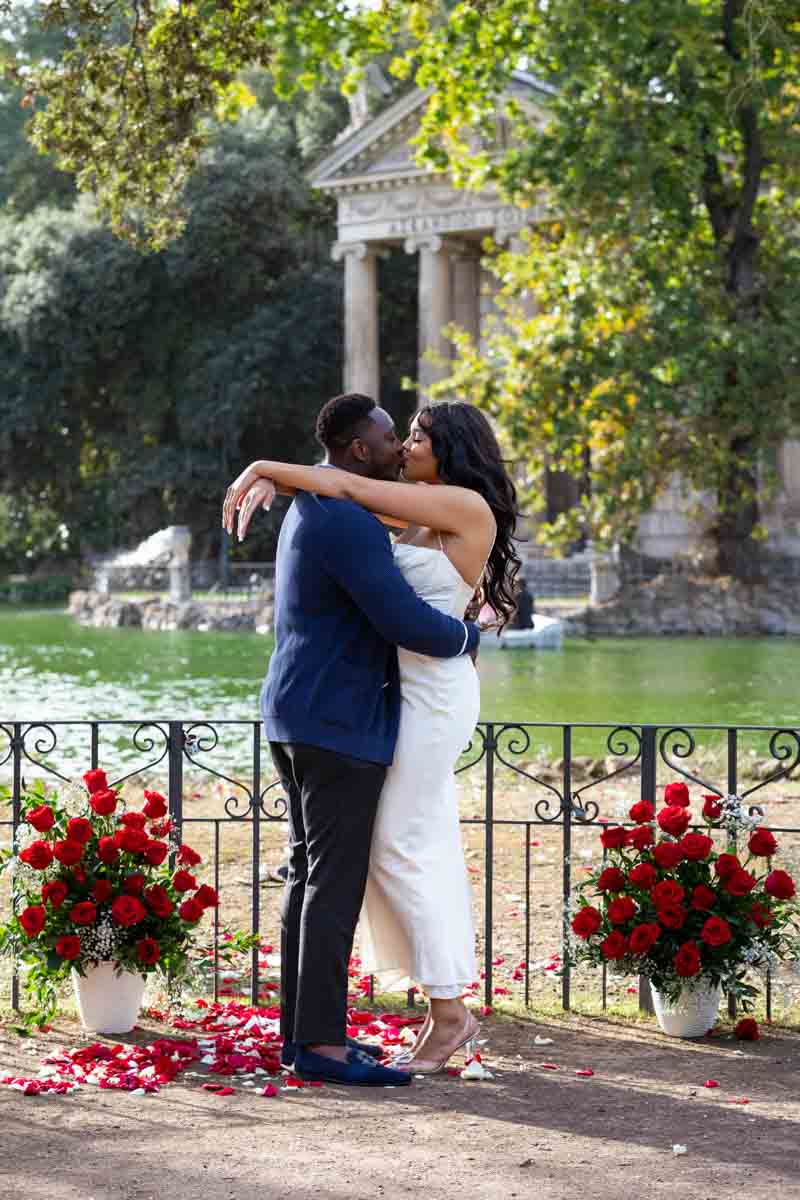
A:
x: 16, y: 813
x: 175, y: 788
x: 255, y: 915
x: 733, y: 788
x: 566, y: 868
x: 647, y: 791
x: 488, y: 915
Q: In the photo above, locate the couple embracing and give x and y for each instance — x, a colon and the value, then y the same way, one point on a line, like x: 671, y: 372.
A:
x: 370, y: 697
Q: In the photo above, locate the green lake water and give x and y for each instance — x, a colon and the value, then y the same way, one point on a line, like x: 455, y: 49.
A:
x: 53, y: 669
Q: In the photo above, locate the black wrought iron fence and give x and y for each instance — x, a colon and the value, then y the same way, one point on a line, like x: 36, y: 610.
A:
x: 519, y: 779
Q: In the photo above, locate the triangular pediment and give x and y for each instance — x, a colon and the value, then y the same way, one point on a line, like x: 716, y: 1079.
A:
x: 381, y: 149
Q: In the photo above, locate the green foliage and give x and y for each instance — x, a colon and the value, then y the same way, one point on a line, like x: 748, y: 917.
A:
x: 134, y: 386
x: 653, y: 318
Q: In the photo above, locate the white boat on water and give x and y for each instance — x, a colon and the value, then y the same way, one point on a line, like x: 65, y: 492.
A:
x: 547, y: 633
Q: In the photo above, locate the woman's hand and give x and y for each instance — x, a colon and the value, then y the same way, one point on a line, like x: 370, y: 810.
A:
x: 260, y: 495
x: 236, y: 493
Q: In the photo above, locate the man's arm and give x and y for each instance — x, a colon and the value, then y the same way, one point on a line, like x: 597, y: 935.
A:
x: 358, y: 555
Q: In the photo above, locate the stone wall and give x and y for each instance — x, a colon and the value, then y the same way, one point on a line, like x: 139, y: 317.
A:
x: 680, y: 604
x: 161, y: 614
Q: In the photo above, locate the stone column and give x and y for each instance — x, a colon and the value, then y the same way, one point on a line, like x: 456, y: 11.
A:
x: 361, y: 357
x: 466, y: 285
x: 435, y: 307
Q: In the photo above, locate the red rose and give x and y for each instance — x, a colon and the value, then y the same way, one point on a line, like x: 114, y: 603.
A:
x: 761, y: 915
x: 83, y: 913
x: 182, y: 881
x: 587, y: 920
x: 107, y: 850
x: 703, y: 898
x: 780, y: 885
x: 68, y: 946
x: 643, y: 937
x: 674, y: 820
x: 158, y: 899
x: 68, y: 852
x: 155, y: 805
x: 127, y: 910
x: 746, y: 1030
x: 613, y: 837
x: 78, y: 875
x: 136, y: 820
x: 726, y: 864
x: 38, y: 855
x: 716, y: 932
x: 762, y: 843
x: 133, y: 884
x: 641, y: 837
x: 671, y: 916
x: 131, y: 839
x: 32, y: 919
x: 95, y: 781
x: 103, y: 802
x: 206, y: 896
x: 102, y: 890
x: 55, y: 892
x: 615, y: 945
x: 188, y: 857
x: 191, y: 910
x: 696, y: 846
x: 641, y: 812
x: 79, y: 830
x: 148, y: 951
x: 687, y: 960
x: 667, y: 855
x: 642, y: 876
x: 712, y: 807
x: 621, y: 910
x: 155, y: 853
x: 676, y: 795
x: 611, y: 880
x: 160, y: 829
x: 41, y: 818
x: 667, y: 892
x: 740, y: 883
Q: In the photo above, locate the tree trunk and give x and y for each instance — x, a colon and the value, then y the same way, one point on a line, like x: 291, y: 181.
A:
x: 738, y: 553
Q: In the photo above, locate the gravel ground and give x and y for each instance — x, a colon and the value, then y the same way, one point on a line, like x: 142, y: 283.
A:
x: 528, y: 1132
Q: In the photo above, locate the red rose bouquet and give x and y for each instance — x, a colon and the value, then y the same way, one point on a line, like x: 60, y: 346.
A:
x: 99, y: 885
x: 668, y: 905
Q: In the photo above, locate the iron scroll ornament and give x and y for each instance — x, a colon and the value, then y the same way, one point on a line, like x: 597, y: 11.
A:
x: 618, y: 748
x: 206, y: 743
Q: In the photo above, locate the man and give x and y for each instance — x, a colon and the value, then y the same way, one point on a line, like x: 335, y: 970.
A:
x: 331, y: 709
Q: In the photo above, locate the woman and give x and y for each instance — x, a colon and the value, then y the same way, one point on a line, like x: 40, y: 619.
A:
x: 456, y: 551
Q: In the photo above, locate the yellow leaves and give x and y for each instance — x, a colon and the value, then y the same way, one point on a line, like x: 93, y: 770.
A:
x: 233, y: 99
x: 631, y: 400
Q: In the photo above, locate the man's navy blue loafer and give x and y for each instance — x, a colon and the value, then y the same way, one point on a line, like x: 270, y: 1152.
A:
x: 360, y: 1070
x: 289, y: 1050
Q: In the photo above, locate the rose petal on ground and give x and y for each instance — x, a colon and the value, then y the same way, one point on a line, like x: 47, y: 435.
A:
x: 586, y: 1073
x: 549, y: 1066
x: 711, y: 1083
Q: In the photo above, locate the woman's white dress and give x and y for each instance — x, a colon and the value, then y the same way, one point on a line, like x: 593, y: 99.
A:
x: 416, y: 923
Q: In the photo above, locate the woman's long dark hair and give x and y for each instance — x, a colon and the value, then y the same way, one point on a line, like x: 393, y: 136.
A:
x: 467, y: 454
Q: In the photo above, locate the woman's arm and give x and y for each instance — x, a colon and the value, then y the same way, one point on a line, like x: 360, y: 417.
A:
x: 449, y: 509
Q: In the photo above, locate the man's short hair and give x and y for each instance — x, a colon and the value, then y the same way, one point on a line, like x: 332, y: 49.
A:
x: 342, y: 419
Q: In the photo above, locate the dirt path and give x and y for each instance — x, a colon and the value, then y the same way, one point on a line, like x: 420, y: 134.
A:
x: 530, y: 1132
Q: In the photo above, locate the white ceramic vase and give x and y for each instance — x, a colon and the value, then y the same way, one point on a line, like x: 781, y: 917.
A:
x: 108, y: 1002
x: 692, y: 1014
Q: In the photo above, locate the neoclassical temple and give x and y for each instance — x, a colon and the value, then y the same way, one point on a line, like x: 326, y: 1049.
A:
x: 386, y: 201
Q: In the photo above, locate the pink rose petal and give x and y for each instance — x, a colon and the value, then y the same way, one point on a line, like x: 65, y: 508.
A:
x: 586, y: 1073
x: 711, y: 1083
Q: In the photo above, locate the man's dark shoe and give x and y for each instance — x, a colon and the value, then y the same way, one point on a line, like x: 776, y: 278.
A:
x: 360, y: 1070
x: 289, y: 1050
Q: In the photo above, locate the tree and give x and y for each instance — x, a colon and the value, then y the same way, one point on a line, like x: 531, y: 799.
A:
x: 667, y: 332
x: 134, y: 386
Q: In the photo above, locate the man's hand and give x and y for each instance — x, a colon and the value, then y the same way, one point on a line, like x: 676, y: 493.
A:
x: 260, y: 495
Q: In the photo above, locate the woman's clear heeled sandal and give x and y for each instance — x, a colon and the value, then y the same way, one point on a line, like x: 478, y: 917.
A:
x: 468, y: 1044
